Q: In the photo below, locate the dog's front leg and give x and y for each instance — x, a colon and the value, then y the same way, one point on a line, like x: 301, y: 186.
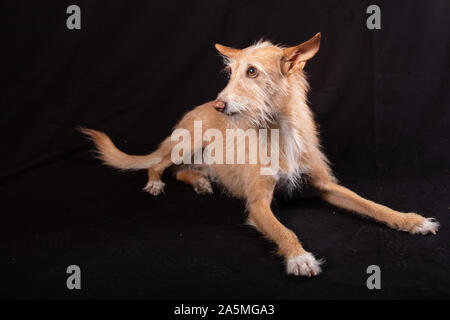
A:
x: 409, y: 222
x: 298, y: 261
x: 340, y: 196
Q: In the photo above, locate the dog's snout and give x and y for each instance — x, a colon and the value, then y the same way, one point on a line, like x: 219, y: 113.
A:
x: 220, y: 105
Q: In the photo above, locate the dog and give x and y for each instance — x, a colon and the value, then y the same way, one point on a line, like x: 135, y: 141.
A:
x: 267, y: 89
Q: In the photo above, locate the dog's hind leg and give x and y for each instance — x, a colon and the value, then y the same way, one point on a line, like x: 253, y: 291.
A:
x: 197, y: 178
x: 193, y: 176
x: 154, y: 184
x: 347, y: 199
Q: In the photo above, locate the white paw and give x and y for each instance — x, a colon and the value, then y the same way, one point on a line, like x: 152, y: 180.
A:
x: 203, y: 186
x: 303, y: 265
x: 430, y: 225
x: 155, y: 187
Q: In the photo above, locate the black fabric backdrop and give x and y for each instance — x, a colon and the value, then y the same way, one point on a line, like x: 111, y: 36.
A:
x: 381, y: 99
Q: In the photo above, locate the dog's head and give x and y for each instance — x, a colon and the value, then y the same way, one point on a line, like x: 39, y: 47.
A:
x: 259, y: 77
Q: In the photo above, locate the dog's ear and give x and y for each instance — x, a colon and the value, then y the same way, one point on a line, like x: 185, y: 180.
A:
x: 294, y: 58
x: 227, y: 51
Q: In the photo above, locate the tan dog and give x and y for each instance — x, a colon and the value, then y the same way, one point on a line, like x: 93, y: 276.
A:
x: 267, y: 89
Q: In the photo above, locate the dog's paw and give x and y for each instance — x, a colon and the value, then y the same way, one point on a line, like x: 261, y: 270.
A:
x: 303, y: 265
x: 155, y: 187
x: 416, y: 224
x: 202, y: 186
x: 428, y: 225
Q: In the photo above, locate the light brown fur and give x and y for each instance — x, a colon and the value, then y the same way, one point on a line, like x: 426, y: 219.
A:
x: 274, y: 99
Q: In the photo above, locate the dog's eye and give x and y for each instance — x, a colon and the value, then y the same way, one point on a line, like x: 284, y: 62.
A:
x: 252, y: 72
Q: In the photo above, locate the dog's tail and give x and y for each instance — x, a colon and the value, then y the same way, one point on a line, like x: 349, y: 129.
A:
x: 113, y: 157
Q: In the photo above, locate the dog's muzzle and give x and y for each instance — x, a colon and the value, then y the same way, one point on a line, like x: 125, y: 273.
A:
x: 220, y: 105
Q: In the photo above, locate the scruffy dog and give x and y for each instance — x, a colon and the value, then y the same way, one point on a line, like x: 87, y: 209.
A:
x: 267, y: 89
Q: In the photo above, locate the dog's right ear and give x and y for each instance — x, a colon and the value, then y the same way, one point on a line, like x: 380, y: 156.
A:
x: 294, y: 58
x: 228, y: 52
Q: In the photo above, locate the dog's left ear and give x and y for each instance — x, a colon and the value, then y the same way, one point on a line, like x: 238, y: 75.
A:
x: 294, y: 58
x: 227, y: 51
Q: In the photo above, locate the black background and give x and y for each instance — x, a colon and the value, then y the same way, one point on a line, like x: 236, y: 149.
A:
x: 381, y: 98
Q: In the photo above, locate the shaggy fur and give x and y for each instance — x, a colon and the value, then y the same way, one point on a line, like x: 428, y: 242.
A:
x: 267, y: 89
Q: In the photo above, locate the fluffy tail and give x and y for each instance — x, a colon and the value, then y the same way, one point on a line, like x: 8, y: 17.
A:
x: 113, y: 157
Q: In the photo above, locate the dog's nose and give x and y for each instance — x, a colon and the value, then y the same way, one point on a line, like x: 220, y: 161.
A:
x: 220, y: 105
